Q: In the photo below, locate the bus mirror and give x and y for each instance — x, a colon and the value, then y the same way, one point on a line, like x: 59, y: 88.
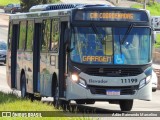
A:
x: 67, y: 36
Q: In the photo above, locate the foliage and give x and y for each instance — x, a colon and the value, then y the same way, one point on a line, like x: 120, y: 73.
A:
x: 153, y: 8
x: 26, y: 4
x: 157, y: 45
x: 11, y: 102
x: 5, y: 2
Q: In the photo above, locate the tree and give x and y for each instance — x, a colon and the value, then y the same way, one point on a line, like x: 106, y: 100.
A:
x: 46, y: 1
x: 27, y: 4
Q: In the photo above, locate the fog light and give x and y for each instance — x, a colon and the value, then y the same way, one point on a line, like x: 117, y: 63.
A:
x: 74, y: 77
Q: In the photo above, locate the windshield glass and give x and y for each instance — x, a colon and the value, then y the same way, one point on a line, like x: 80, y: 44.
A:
x: 3, y: 46
x: 104, y: 46
x: 136, y: 48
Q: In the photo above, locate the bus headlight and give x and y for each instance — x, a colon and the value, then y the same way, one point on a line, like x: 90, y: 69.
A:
x: 144, y: 81
x: 74, y: 77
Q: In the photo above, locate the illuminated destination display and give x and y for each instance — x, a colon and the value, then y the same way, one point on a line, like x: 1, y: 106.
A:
x: 111, y: 16
x: 105, y: 59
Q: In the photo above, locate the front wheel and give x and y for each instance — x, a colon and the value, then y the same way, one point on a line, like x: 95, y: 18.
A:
x: 126, y: 105
x: 56, y: 102
x: 154, y: 90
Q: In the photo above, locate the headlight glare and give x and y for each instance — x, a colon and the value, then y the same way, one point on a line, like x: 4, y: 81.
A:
x: 74, y: 77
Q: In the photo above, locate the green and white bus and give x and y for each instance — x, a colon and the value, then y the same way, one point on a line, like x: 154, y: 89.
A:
x: 81, y: 52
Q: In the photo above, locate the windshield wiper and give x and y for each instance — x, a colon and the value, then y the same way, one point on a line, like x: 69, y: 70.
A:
x: 126, y: 34
x: 96, y: 32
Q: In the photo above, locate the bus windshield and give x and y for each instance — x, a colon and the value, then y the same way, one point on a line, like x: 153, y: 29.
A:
x: 104, y: 45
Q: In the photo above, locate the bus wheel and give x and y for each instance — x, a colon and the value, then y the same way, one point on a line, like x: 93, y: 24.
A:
x: 37, y: 98
x: 65, y: 105
x: 126, y: 105
x: 56, y: 101
x: 23, y: 86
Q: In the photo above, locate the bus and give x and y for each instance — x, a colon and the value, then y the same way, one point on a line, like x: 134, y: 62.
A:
x: 82, y: 53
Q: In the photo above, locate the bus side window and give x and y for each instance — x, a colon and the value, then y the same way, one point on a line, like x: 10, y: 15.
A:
x: 22, y: 37
x: 30, y: 31
x: 55, y: 36
x: 46, y: 35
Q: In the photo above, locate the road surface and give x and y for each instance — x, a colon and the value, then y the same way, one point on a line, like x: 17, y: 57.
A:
x: 153, y: 105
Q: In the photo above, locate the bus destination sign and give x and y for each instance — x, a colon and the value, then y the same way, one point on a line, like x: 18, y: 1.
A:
x: 110, y: 16
x: 107, y: 15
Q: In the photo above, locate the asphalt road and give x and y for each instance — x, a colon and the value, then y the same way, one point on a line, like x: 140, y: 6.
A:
x: 99, y: 107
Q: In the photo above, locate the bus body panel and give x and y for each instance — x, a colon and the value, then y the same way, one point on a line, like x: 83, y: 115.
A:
x: 74, y: 91
x: 110, y: 81
x: 19, y: 67
x: 12, y: 54
x: 49, y: 58
x: 8, y: 68
x: 28, y: 68
x: 46, y: 74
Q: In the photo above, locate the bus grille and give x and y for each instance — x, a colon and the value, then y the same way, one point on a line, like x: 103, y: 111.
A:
x: 113, y: 72
x: 124, y: 90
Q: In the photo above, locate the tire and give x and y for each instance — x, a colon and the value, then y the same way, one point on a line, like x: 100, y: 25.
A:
x: 154, y: 90
x: 23, y: 86
x: 55, y: 92
x: 33, y: 98
x: 126, y: 105
x: 57, y: 103
x: 65, y: 105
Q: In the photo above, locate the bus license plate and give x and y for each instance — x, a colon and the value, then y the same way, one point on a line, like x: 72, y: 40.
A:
x: 112, y: 92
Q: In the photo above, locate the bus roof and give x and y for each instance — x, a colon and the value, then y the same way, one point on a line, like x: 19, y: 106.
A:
x: 47, y: 7
x: 51, y: 10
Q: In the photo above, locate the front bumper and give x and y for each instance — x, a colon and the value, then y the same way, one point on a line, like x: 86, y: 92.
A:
x: 75, y: 92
